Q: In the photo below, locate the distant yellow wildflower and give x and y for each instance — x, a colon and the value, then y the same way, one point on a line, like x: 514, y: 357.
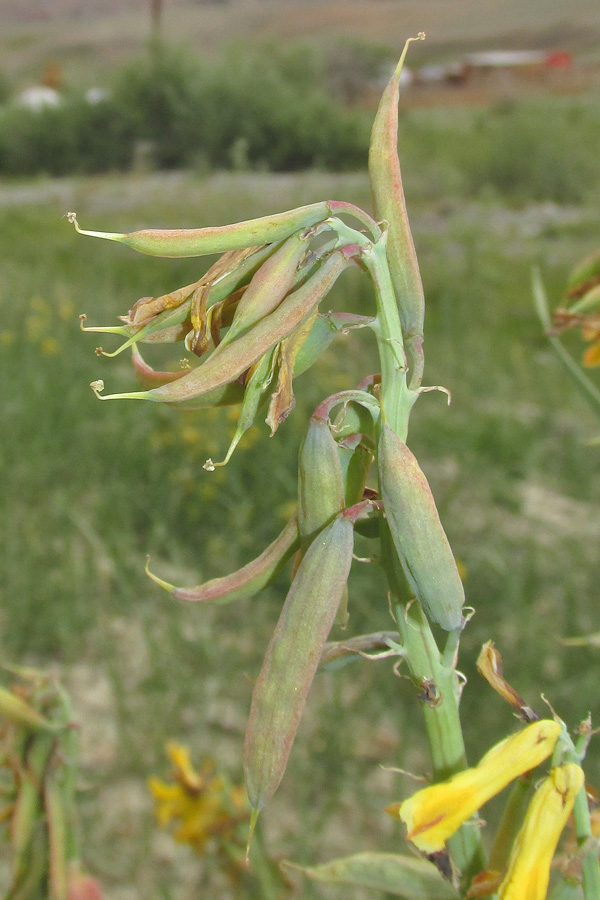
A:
x: 528, y: 872
x: 435, y: 813
x: 202, y: 804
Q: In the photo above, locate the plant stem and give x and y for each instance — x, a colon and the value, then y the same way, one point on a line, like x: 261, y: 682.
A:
x: 439, y: 694
x: 434, y: 675
x: 396, y: 397
x: 586, y: 842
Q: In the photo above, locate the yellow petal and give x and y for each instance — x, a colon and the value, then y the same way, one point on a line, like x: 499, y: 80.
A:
x: 184, y: 771
x: 528, y: 872
x: 434, y: 814
x: 591, y: 357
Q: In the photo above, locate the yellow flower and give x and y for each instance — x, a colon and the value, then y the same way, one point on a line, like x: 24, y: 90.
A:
x: 434, y: 814
x: 591, y: 357
x: 202, y: 805
x: 528, y: 872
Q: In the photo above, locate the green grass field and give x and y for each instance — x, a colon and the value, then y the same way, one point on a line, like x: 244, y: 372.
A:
x: 88, y: 489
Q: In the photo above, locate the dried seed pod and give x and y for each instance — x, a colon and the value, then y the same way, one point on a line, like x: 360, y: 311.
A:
x: 292, y: 658
x: 417, y: 532
x: 320, y: 479
x: 181, y: 242
x: 236, y: 358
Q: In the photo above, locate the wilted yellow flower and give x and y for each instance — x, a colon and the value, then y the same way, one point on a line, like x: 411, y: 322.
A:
x: 434, y: 814
x: 591, y: 357
x: 528, y: 872
x: 202, y: 804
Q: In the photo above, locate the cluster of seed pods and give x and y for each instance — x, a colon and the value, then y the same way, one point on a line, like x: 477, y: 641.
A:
x: 252, y: 323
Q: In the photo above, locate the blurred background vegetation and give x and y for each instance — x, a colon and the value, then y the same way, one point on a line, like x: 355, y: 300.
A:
x: 88, y: 489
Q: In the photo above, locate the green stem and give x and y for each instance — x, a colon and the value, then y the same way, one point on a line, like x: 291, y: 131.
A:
x: 439, y: 693
x: 588, y: 844
x: 585, y: 385
x: 435, y: 676
x: 397, y: 398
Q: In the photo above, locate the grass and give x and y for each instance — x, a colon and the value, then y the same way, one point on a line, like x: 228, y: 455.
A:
x: 90, y: 488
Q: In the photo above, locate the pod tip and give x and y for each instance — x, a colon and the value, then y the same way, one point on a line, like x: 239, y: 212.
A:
x: 71, y: 217
x: 107, y: 235
x: 98, y: 387
x: 253, y: 821
x: 159, y: 581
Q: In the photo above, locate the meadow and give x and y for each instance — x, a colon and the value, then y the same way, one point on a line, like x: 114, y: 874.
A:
x: 89, y: 489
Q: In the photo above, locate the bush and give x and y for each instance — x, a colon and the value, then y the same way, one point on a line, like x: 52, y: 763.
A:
x: 266, y: 107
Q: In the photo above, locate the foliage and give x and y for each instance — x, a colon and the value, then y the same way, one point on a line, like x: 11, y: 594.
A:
x: 266, y: 99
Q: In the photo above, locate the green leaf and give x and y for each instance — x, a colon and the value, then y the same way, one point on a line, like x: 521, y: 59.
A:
x: 403, y: 876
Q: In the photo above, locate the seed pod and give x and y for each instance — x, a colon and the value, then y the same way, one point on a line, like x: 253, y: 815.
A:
x: 322, y: 333
x: 256, y: 386
x: 282, y: 399
x: 171, y: 313
x: 28, y: 882
x: 320, y: 479
x: 268, y: 287
x: 292, y: 658
x: 15, y: 709
x: 227, y: 395
x: 390, y: 205
x: 247, y: 581
x: 356, y: 455
x: 57, y: 839
x: 28, y: 808
x: 215, y: 239
x: 417, y: 532
x: 225, y: 367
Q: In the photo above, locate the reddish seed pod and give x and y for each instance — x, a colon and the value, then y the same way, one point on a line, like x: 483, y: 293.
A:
x: 251, y: 578
x: 292, y: 658
x: 320, y: 479
x: 390, y: 206
x: 226, y: 366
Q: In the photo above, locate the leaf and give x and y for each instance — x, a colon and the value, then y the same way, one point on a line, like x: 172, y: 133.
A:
x: 403, y: 876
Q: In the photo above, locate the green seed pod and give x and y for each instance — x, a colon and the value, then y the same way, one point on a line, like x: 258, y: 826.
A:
x: 255, y: 389
x: 322, y: 333
x: 356, y: 455
x: 57, y: 838
x: 15, y: 709
x: 236, y: 358
x: 390, y: 205
x: 29, y: 808
x: 268, y: 287
x: 417, y: 532
x: 292, y: 658
x: 215, y: 239
x: 320, y: 479
x: 247, y: 581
